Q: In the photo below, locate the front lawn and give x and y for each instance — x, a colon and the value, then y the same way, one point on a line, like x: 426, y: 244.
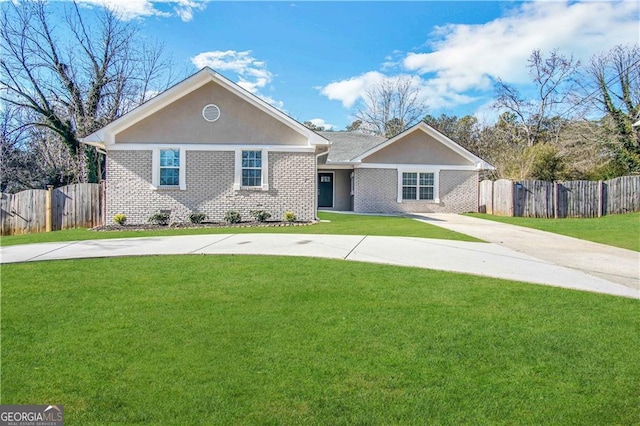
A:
x: 620, y: 230
x: 270, y: 340
x: 344, y: 224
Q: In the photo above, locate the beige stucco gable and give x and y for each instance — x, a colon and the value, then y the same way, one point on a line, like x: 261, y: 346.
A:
x: 417, y: 147
x: 240, y: 122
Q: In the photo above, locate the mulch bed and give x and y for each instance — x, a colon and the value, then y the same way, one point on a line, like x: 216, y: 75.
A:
x: 187, y: 225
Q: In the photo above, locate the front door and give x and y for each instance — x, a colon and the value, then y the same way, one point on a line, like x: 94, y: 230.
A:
x: 325, y: 190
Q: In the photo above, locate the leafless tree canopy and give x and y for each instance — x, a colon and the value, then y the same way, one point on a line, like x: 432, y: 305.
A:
x: 391, y: 107
x: 555, y: 89
x: 73, y: 75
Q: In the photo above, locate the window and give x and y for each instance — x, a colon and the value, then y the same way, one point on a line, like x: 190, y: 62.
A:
x: 252, y: 168
x: 418, y: 186
x: 169, y: 167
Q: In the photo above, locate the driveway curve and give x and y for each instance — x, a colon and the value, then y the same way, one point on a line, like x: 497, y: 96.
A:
x: 609, y: 263
x: 486, y: 259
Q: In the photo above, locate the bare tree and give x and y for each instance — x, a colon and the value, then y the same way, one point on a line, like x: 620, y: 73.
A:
x: 16, y: 162
x: 310, y: 125
x: 616, y: 77
x: 73, y: 77
x: 391, y: 107
x: 555, y: 86
x: 31, y: 156
x: 587, y: 157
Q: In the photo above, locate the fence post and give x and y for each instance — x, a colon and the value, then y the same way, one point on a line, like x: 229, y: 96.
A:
x: 555, y: 199
x: 600, y: 198
x: 49, y: 206
x: 103, y: 201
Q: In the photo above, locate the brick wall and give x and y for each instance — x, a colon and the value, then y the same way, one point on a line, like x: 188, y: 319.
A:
x: 376, y: 191
x: 209, y: 179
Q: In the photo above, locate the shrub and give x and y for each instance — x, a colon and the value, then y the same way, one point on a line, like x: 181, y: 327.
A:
x: 260, y: 215
x: 232, y: 217
x: 197, y: 217
x: 160, y: 218
x: 120, y: 218
x: 290, y: 216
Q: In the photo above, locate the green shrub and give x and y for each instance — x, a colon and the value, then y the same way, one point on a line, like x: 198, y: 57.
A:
x: 260, y: 215
x: 232, y: 217
x: 120, y: 218
x: 197, y: 217
x: 160, y: 218
x: 290, y: 216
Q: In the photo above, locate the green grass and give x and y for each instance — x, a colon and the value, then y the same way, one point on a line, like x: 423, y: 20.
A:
x: 622, y: 230
x: 269, y: 340
x: 344, y: 224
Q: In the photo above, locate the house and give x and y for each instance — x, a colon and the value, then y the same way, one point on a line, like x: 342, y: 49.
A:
x: 207, y: 145
x: 418, y: 171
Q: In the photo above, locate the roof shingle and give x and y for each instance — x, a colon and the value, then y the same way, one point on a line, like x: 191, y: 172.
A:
x: 345, y: 146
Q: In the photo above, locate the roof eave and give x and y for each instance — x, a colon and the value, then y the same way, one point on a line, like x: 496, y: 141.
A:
x: 485, y: 166
x: 318, y: 140
x: 99, y: 145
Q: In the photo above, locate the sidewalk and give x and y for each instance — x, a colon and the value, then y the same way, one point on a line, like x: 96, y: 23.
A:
x: 493, y: 260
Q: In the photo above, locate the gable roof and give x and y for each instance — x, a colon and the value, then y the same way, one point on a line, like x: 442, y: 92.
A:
x: 439, y: 137
x: 106, y: 135
x: 345, y: 146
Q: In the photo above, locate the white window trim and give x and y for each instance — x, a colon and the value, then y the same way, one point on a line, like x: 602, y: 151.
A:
x: 436, y: 184
x: 237, y: 181
x: 155, y: 169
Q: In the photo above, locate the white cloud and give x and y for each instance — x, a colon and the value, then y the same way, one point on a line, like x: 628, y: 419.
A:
x: 321, y: 123
x: 348, y: 91
x: 251, y: 74
x: 431, y: 92
x: 131, y: 9
x: 185, y: 8
x: 466, y: 59
x: 470, y: 56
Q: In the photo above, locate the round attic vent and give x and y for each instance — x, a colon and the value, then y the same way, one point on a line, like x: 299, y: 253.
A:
x: 211, y: 113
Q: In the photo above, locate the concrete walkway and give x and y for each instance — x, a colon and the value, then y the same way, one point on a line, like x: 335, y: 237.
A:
x: 609, y: 263
x: 493, y: 260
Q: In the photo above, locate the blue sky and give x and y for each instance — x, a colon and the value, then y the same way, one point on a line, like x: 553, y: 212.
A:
x: 315, y: 59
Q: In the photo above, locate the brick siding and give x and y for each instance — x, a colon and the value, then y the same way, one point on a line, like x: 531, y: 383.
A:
x: 209, y: 180
x: 376, y: 191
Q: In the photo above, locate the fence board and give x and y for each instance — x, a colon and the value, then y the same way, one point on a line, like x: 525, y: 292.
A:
x: 72, y: 206
x: 583, y: 198
x: 24, y: 212
x: 503, y: 197
x: 533, y: 198
x: 485, y: 197
x: 623, y: 195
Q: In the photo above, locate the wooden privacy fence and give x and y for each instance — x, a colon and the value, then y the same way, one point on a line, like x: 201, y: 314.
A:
x: 581, y: 198
x: 38, y: 210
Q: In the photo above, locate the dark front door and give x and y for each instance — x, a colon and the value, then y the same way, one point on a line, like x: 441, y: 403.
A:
x: 325, y: 189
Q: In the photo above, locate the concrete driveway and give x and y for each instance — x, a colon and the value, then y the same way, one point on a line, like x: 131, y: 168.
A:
x: 609, y: 263
x: 493, y: 260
